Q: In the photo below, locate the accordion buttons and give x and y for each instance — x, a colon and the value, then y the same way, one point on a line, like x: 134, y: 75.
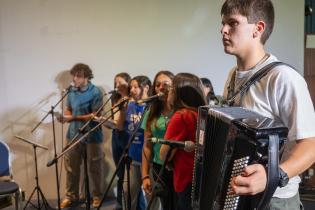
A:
x: 232, y: 200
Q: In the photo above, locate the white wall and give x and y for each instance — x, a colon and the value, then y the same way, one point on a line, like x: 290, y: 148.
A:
x: 41, y: 39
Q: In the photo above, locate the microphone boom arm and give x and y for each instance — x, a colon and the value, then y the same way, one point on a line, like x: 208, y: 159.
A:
x: 51, y: 111
x: 81, y: 139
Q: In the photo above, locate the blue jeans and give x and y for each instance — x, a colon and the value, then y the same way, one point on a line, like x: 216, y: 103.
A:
x: 119, y: 142
x: 137, y: 197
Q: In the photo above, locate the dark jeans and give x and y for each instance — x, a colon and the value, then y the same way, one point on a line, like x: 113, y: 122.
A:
x: 166, y: 191
x: 184, y: 199
x: 119, y: 142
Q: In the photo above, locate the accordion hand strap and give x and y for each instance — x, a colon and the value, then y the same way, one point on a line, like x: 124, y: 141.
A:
x: 272, y: 170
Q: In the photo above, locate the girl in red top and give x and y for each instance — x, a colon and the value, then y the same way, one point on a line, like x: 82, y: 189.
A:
x: 186, y: 96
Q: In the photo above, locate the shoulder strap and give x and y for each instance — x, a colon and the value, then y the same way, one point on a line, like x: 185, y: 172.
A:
x: 254, y: 78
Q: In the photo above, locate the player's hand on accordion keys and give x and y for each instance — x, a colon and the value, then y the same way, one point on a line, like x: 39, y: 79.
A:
x: 252, y: 181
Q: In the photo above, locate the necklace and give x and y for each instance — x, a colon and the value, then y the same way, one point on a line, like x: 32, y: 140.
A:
x: 237, y: 83
x: 167, y: 117
x: 263, y: 59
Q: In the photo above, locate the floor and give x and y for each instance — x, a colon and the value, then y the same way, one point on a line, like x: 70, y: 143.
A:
x: 308, y: 200
x: 107, y: 205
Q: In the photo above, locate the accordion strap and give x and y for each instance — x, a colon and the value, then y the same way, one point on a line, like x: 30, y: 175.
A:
x: 244, y: 87
x: 272, y: 171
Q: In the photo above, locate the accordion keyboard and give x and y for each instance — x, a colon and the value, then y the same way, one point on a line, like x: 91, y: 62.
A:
x: 231, y: 200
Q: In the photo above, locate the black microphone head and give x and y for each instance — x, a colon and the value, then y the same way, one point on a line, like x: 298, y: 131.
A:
x: 51, y: 162
x: 69, y: 87
x: 121, y: 102
x: 111, y: 92
x: 166, y: 86
x: 151, y: 98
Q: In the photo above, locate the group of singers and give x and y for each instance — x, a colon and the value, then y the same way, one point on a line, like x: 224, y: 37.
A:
x: 176, y: 109
x: 282, y: 94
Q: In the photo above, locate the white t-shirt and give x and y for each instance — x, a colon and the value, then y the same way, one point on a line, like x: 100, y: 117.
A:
x: 282, y: 95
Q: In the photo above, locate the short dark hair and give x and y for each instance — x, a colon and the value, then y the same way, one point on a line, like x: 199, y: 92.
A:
x: 254, y: 10
x: 83, y: 70
x: 188, y: 92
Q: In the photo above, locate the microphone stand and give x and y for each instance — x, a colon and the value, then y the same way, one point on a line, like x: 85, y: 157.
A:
x: 158, y: 179
x: 54, y: 140
x: 37, y: 189
x: 84, y: 154
x: 82, y: 139
x: 125, y: 160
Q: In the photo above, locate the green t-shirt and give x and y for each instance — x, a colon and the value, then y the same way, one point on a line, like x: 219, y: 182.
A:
x: 158, y: 129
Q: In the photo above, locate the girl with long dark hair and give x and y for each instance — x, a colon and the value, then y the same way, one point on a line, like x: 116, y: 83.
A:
x: 155, y: 123
x: 186, y: 95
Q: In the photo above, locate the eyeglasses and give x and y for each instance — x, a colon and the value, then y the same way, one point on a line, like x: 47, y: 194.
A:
x: 163, y: 83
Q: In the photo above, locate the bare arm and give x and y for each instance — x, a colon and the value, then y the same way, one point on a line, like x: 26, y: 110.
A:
x: 146, y: 154
x: 121, y: 120
x: 164, y: 150
x: 301, y: 157
x: 85, y: 117
x: 115, y: 116
x: 67, y: 117
x: 146, y: 158
x: 121, y: 116
x: 109, y: 123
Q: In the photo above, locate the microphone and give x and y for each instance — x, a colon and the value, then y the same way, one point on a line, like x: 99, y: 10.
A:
x: 111, y: 92
x: 151, y: 98
x: 188, y: 146
x: 69, y: 87
x: 121, y: 103
x: 51, y: 162
x: 167, y: 86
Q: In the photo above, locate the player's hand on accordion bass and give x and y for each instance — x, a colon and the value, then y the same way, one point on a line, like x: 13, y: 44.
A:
x: 252, y: 181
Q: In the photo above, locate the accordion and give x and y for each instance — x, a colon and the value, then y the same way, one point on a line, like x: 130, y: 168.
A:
x: 228, y: 139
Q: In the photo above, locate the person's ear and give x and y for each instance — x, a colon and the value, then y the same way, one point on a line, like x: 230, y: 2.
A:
x: 259, y: 29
